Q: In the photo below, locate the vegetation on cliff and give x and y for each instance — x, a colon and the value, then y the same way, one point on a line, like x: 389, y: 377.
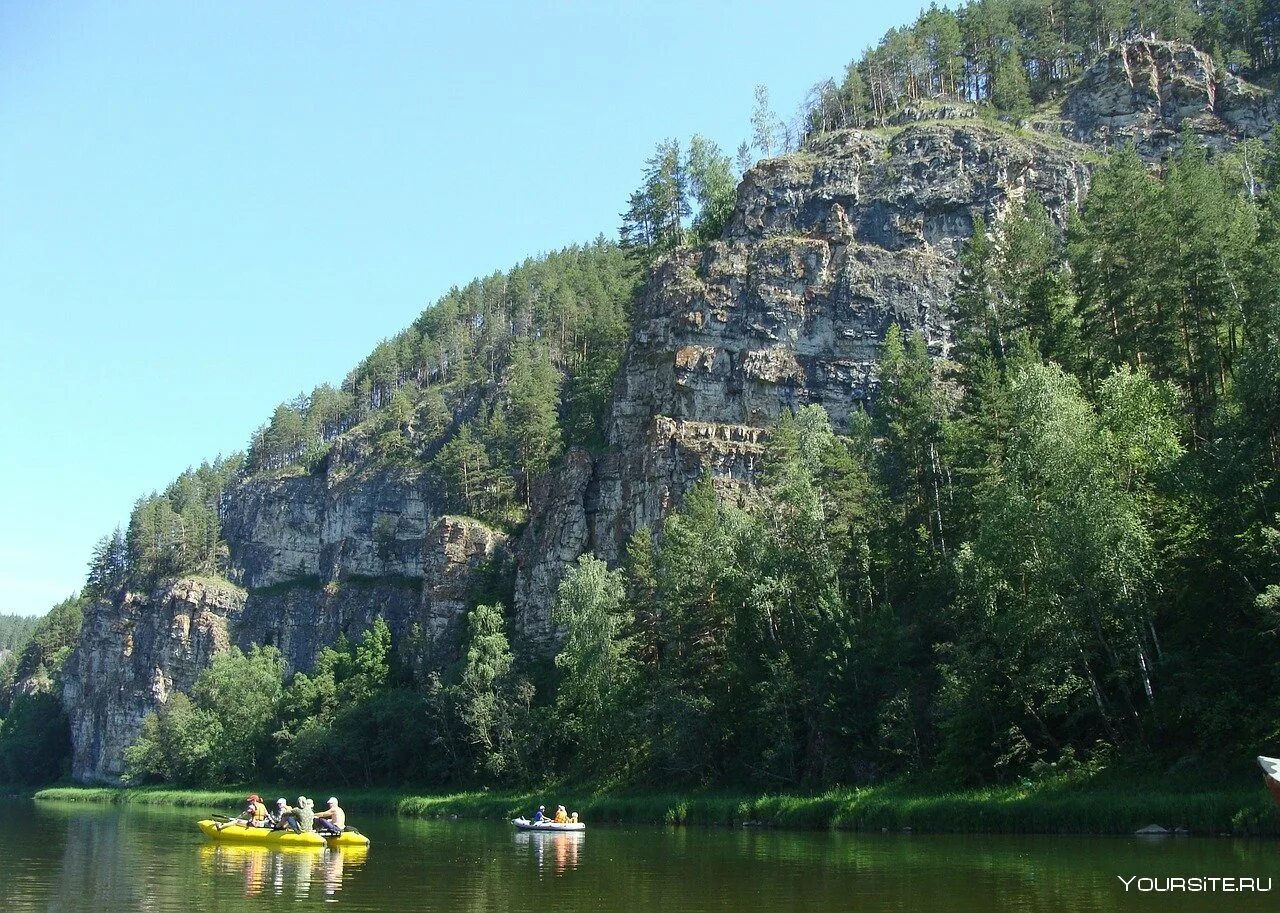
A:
x: 34, y: 737
x: 1011, y: 54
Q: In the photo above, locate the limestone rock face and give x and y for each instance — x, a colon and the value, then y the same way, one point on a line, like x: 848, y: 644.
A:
x: 1146, y: 90
x: 282, y: 530
x: 136, y: 652
x: 825, y: 251
x: 132, y: 656
x: 460, y: 549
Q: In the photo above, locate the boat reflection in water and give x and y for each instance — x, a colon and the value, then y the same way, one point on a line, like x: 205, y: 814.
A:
x: 554, y: 852
x: 284, y: 871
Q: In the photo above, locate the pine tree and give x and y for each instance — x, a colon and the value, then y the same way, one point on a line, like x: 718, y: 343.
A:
x: 534, y: 394
x: 979, y: 323
x: 109, y: 566
x: 912, y: 419
x: 463, y: 466
x: 1009, y: 90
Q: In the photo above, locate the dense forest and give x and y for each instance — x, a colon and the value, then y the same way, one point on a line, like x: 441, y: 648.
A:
x: 35, y: 742
x: 1013, y: 55
x: 1055, y: 549
x: 14, y: 631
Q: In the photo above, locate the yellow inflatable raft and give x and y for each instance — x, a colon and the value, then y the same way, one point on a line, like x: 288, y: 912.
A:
x: 261, y: 836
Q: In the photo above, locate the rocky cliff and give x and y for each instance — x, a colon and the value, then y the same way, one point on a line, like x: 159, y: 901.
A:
x: 312, y: 558
x: 826, y: 249
x: 133, y: 654
x: 1147, y: 91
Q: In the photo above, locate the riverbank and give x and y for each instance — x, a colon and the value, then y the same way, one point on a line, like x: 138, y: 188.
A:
x: 1059, y: 807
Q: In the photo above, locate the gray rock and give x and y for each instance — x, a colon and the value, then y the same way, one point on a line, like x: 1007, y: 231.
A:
x: 1145, y: 91
x: 132, y: 656
x: 136, y: 652
x: 826, y: 250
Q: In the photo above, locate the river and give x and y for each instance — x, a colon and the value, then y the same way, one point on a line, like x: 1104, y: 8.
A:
x: 59, y: 857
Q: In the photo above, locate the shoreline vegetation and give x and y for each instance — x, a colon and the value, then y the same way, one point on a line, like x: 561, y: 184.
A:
x: 1114, y: 808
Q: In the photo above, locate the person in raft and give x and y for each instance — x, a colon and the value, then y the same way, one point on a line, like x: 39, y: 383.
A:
x: 254, y: 814
x: 540, y: 815
x: 333, y: 820
x: 306, y: 813
x: 285, y: 818
x: 562, y: 816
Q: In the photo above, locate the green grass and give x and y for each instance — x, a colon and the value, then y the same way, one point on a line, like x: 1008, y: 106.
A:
x: 1056, y: 807
x: 216, y: 581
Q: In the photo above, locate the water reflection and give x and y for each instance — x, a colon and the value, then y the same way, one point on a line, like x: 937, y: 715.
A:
x: 558, y: 853
x: 284, y: 871
x: 76, y: 859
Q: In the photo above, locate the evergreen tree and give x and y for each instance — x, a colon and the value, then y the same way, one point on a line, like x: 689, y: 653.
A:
x: 912, y: 419
x: 463, y: 466
x: 109, y: 566
x: 533, y: 392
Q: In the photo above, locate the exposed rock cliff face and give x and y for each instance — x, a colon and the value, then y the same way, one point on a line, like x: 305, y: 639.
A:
x: 1146, y: 91
x: 826, y: 249
x: 134, y: 654
x: 131, y: 657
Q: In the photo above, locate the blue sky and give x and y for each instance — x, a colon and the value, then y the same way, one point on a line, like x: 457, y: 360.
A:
x: 208, y: 208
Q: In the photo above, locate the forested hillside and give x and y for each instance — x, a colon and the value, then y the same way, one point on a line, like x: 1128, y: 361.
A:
x: 34, y: 739
x: 1015, y: 54
x: 14, y: 631
x: 1051, y: 551
x: 1041, y: 538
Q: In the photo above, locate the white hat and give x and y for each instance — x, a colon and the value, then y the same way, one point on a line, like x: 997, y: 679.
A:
x: 333, y: 800
x: 281, y: 802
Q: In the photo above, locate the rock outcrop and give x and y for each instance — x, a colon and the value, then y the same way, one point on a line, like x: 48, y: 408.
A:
x: 826, y: 250
x: 1147, y: 91
x: 134, y: 653
x: 132, y: 656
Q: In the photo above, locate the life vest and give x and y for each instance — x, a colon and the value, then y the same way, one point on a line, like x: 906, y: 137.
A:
x: 257, y: 813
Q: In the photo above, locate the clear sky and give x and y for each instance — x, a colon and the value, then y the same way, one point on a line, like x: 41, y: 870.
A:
x: 207, y: 208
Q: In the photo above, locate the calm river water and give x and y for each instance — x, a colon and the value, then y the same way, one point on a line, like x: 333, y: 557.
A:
x: 82, y: 858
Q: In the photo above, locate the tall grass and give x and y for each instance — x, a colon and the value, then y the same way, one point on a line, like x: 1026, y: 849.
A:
x: 1058, y: 807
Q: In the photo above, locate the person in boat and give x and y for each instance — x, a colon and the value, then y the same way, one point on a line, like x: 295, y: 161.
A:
x: 254, y: 814
x: 333, y: 820
x: 306, y: 812
x: 285, y: 817
x: 573, y: 819
x: 562, y: 816
x: 540, y: 815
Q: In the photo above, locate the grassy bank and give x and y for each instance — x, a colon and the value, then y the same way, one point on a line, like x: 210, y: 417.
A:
x: 1063, y: 807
